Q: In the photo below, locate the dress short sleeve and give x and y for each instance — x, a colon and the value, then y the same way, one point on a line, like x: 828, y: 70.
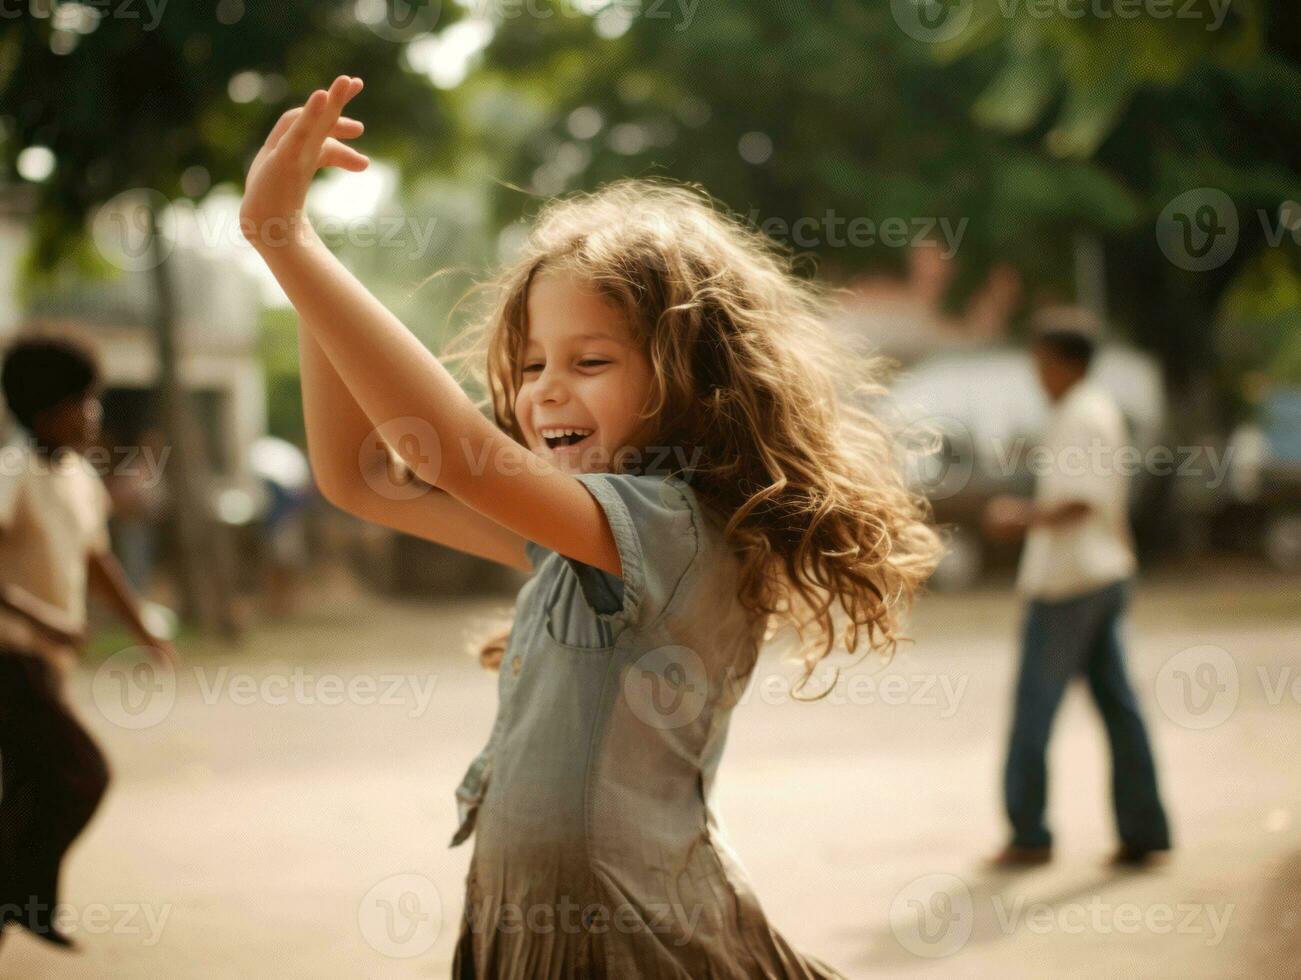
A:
x: 655, y: 521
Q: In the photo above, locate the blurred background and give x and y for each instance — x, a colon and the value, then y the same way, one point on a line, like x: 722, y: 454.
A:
x: 948, y: 166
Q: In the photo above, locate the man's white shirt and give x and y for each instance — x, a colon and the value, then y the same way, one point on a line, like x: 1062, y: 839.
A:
x: 1081, y: 449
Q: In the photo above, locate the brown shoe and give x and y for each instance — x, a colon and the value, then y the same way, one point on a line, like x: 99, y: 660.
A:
x: 1013, y: 856
x: 1127, y: 856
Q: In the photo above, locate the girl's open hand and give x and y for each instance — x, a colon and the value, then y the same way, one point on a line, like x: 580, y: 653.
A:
x: 303, y: 141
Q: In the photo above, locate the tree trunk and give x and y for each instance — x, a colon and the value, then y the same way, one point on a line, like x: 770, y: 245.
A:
x: 1091, y: 275
x: 204, y: 567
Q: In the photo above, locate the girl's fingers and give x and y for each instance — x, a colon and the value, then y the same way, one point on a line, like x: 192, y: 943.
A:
x: 296, y: 137
x: 302, y: 132
x: 340, y: 91
x: 282, y: 126
x: 345, y: 128
x: 336, y: 154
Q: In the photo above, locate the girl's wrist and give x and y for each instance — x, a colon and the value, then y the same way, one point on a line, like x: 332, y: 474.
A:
x: 270, y: 236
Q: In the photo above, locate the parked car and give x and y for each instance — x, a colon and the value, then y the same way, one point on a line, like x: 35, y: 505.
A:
x: 1264, y: 500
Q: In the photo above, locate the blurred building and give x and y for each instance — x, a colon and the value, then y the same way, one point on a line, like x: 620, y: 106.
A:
x: 906, y: 318
x: 217, y: 306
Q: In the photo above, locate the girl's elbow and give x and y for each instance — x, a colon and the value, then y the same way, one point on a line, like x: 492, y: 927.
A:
x: 337, y: 493
x: 338, y: 483
x: 337, y: 474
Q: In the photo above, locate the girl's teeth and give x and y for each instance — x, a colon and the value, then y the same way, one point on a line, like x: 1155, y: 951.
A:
x: 560, y: 437
x: 557, y: 433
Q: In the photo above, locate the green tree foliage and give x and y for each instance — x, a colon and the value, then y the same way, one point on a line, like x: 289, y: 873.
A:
x: 128, y: 97
x: 1034, y: 120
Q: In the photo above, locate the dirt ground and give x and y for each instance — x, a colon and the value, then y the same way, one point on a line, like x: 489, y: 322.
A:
x: 284, y: 810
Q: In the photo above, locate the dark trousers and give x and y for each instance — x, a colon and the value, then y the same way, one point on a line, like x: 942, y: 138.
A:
x: 52, y: 778
x: 1060, y: 639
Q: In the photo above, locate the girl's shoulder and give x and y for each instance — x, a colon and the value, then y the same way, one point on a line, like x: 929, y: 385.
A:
x: 665, y: 538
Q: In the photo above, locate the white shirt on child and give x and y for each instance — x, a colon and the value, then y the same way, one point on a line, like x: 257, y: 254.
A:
x: 1081, y: 450
x: 53, y: 517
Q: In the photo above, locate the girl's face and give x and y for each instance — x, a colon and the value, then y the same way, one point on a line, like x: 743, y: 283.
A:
x: 583, y: 379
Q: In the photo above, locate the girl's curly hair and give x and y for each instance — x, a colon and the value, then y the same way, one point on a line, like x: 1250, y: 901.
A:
x: 750, y: 383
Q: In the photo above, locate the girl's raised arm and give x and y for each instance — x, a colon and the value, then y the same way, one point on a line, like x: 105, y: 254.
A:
x: 392, y: 377
x: 350, y: 463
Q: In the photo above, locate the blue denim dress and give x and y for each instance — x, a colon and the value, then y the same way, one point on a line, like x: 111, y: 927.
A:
x: 597, y: 853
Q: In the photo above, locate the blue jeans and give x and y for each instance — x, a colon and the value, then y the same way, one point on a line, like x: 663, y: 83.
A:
x: 1062, y: 638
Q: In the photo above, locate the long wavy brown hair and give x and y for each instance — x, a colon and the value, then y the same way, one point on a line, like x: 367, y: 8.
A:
x: 769, y: 408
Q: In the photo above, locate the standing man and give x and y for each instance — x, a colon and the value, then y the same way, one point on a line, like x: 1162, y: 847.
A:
x: 1076, y: 573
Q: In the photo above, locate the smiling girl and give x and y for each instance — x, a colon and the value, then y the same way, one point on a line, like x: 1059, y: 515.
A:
x: 668, y: 453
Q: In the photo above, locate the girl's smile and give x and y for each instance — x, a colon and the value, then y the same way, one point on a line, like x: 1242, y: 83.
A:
x: 559, y: 438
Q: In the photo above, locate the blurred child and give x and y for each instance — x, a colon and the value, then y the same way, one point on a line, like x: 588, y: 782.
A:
x: 53, y: 547
x: 670, y: 455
